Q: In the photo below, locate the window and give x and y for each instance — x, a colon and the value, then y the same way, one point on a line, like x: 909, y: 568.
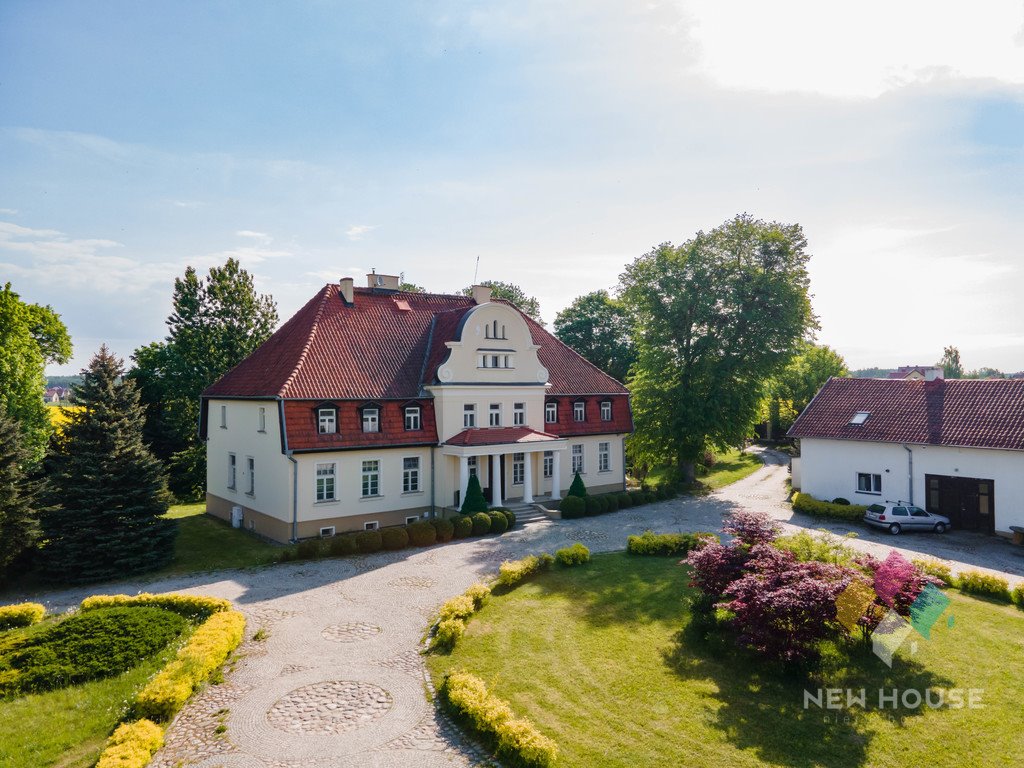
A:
x: 327, y: 420
x: 577, y: 459
x: 900, y: 512
x: 508, y: 361
x: 860, y: 417
x: 604, y: 457
x: 326, y: 478
x: 371, y: 526
x: 263, y: 420
x: 579, y: 411
x: 371, y: 420
x: 471, y: 463
x: 468, y: 416
x: 327, y: 532
x: 518, y: 468
x: 495, y: 361
x: 549, y: 463
x: 518, y: 414
x: 232, y: 471
x: 495, y: 415
x: 412, y: 418
x: 551, y: 412
x: 918, y: 512
x: 250, y: 464
x: 412, y: 519
x: 606, y: 410
x: 223, y: 417
x: 371, y: 478
x: 868, y: 483
x: 411, y: 474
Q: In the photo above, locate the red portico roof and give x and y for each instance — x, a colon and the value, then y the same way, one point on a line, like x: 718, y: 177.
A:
x: 499, y: 436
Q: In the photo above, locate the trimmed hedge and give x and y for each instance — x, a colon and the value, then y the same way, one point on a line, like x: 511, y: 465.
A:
x: 422, y: 534
x: 809, y: 505
x: 978, y: 583
x: 577, y: 554
x: 478, y: 593
x: 572, y: 507
x: 192, y: 607
x: 515, y: 739
x: 132, y: 745
x: 448, y: 634
x: 309, y: 549
x: 665, y: 544
x: 21, y: 615
x: 394, y: 538
x: 1018, y: 596
x: 369, y: 542
x: 612, y: 502
x: 940, y: 571
x: 461, y: 607
x: 499, y: 523
x: 204, y: 652
x: 512, y: 572
x: 463, y: 527
x: 481, y: 523
x: 624, y: 500
x: 445, y: 530
x: 343, y: 544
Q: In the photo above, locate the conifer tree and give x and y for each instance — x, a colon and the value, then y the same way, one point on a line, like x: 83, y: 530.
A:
x: 19, y: 496
x: 108, y: 492
x: 474, y: 501
x: 577, y: 488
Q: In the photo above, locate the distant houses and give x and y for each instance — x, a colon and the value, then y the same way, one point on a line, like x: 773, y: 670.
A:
x: 56, y: 394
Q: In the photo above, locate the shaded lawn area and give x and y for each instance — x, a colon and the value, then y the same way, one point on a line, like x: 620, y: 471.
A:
x: 68, y: 727
x: 206, y: 543
x: 729, y: 467
x: 594, y: 656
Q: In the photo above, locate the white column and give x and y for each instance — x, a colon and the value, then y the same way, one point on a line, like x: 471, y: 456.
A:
x: 463, y: 478
x: 496, y: 500
x: 528, y: 478
x: 556, y: 476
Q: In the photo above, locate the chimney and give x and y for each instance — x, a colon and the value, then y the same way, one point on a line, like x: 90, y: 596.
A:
x: 387, y: 282
x: 481, y: 294
x: 931, y: 374
x: 347, y: 291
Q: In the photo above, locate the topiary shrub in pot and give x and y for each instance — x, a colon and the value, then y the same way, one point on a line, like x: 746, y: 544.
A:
x: 463, y: 526
x: 394, y: 538
x: 445, y: 529
x: 577, y: 488
x: 499, y: 523
x: 422, y: 534
x: 572, y: 507
x: 369, y: 541
x: 481, y: 523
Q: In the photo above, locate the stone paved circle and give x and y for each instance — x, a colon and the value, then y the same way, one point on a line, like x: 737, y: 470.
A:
x: 333, y: 707
x: 351, y: 632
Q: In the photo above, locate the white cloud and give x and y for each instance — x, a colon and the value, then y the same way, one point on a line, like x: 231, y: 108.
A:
x: 357, y: 231
x: 248, y: 233
x: 8, y: 212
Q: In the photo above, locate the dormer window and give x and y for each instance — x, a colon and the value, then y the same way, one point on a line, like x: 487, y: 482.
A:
x: 327, y: 420
x: 606, y: 410
x: 551, y: 412
x: 579, y: 411
x: 412, y: 418
x: 860, y: 417
x: 371, y: 420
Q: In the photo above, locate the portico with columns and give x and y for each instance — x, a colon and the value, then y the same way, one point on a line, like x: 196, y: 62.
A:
x: 498, y: 473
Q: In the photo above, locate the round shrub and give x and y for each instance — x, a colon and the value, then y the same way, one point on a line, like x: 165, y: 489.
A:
x: 572, y: 507
x: 625, y: 502
x: 591, y: 505
x: 637, y: 498
x: 602, y: 505
x: 577, y: 554
x: 394, y: 538
x: 481, y: 523
x: 344, y: 544
x: 841, y: 500
x: 649, y: 497
x: 463, y: 527
x: 308, y: 549
x: 510, y: 516
x: 445, y: 529
x: 422, y: 534
x: 612, y: 500
x: 369, y: 541
x: 499, y: 523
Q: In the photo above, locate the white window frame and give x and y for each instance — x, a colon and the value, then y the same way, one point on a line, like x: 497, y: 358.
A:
x: 551, y: 413
x: 518, y: 414
x: 606, y: 410
x: 372, y: 525
x: 411, y: 519
x: 549, y: 464
x: 411, y: 475
x: 262, y: 422
x: 232, y: 472
x: 250, y: 468
x: 328, y: 473
x: 413, y: 419
x: 223, y: 417
x: 604, y: 457
x: 371, y: 475
x: 469, y: 416
x: 471, y: 463
x: 494, y: 415
x: 373, y: 421
x: 518, y: 468
x: 327, y: 421
x: 327, y: 532
x: 579, y: 411
x: 577, y: 459
x: 874, y: 482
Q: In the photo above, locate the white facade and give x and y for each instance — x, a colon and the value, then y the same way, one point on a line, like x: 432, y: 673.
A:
x: 832, y: 468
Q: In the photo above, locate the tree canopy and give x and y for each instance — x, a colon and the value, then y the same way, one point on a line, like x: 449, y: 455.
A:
x: 30, y: 337
x: 714, y: 319
x: 19, y: 497
x: 510, y: 292
x: 598, y: 327
x: 790, y: 390
x: 950, y: 363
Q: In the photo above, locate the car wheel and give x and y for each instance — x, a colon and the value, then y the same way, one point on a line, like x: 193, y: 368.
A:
x: 940, y: 527
x: 895, y: 528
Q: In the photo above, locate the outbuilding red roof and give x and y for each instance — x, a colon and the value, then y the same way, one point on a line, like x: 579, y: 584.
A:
x: 953, y: 412
x: 385, y: 345
x: 500, y: 436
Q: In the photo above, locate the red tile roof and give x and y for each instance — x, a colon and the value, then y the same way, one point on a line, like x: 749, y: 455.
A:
x: 952, y: 412
x: 377, y: 349
x: 304, y: 434
x: 499, y: 436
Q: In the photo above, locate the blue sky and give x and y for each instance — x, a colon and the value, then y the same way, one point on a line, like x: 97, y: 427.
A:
x: 556, y: 141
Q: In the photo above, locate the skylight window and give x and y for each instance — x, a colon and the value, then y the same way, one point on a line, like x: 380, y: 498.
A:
x: 860, y: 417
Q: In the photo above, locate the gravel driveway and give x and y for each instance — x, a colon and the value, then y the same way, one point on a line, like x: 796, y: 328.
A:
x: 338, y: 680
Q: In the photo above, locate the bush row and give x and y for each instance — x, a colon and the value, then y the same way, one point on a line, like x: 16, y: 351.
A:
x: 455, y: 613
x: 516, y: 740
x: 573, y: 507
x: 974, y: 582
x: 512, y: 572
x: 577, y: 554
x: 809, y: 505
x: 665, y: 544
x: 132, y: 745
x: 204, y: 652
x: 192, y: 607
x: 422, y: 533
x: 20, y: 615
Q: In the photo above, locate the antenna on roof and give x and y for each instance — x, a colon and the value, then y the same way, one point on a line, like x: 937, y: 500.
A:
x: 477, y: 270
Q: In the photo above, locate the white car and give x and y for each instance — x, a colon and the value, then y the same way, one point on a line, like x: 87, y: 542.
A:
x: 899, y: 516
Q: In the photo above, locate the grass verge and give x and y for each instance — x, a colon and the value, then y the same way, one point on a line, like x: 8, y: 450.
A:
x: 207, y: 544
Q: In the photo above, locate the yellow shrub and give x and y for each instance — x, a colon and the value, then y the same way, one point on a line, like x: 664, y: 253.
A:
x: 21, y: 615
x: 205, y: 651
x: 448, y: 633
x: 132, y: 745
x: 478, y: 593
x: 461, y: 607
x: 511, y: 572
x: 192, y: 607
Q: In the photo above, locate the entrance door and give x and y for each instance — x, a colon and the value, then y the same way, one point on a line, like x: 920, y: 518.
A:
x: 968, y: 502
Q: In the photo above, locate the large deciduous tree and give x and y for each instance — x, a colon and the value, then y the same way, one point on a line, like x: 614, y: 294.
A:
x: 19, y: 497
x: 790, y: 390
x: 217, y: 322
x: 30, y: 337
x: 714, y: 319
x: 107, y: 491
x: 950, y: 363
x: 513, y: 293
x: 598, y: 327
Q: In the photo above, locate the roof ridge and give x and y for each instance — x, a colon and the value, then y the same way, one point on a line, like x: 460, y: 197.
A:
x: 324, y: 296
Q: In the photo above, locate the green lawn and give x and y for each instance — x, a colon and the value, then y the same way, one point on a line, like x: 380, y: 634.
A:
x: 206, y: 543
x: 729, y: 467
x: 595, y: 658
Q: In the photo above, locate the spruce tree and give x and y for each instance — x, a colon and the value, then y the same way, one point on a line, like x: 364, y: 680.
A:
x: 474, y: 501
x: 19, y: 496
x: 108, y: 491
x: 577, y: 488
